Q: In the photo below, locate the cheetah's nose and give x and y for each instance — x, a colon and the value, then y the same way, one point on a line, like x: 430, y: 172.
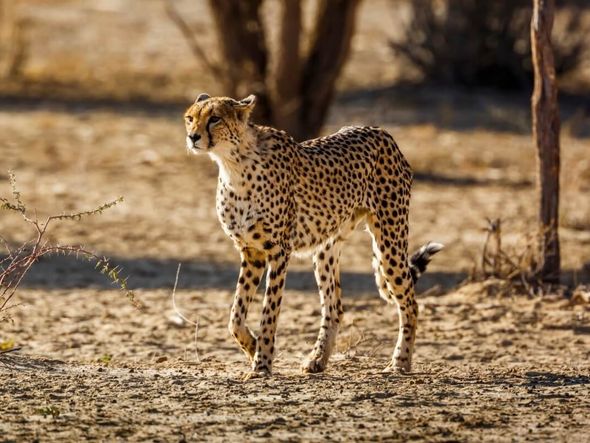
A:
x: 194, y: 137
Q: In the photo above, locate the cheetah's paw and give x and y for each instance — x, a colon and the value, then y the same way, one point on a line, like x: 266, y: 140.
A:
x: 258, y: 373
x: 397, y: 368
x: 313, y: 366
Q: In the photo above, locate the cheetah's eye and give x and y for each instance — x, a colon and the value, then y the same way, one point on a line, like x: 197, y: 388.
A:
x: 214, y: 119
x: 189, y: 119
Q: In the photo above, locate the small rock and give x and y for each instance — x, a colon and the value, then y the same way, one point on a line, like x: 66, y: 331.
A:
x: 176, y: 320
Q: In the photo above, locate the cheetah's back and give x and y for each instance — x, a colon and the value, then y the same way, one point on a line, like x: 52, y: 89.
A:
x: 336, y: 175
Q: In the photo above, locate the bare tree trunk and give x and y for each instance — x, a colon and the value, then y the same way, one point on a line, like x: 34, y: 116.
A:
x: 301, y: 89
x: 287, y: 80
x: 331, y: 41
x: 242, y: 38
x: 545, y: 111
x: 13, y: 44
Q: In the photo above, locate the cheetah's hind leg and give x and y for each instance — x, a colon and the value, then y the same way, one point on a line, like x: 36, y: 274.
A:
x: 395, y: 284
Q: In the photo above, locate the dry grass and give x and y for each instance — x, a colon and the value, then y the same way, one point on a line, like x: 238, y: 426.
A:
x: 514, y: 269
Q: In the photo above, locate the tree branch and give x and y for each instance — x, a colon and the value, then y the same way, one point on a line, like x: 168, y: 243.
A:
x: 192, y: 42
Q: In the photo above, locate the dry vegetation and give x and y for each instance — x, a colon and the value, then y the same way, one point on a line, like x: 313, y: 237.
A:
x: 498, y: 50
x: 492, y: 363
x: 18, y: 261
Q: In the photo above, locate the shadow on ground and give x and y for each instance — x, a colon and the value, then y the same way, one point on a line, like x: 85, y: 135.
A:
x: 461, y: 109
x: 466, y: 181
x: 398, y: 104
x: 68, y: 273
x: 553, y: 379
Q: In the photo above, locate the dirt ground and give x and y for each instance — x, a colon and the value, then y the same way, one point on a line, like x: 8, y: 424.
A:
x: 488, y: 367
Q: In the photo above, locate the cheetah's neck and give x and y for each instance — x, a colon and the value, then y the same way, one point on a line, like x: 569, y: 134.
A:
x: 233, y: 160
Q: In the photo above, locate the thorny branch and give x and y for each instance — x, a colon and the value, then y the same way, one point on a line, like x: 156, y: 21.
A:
x: 18, y: 261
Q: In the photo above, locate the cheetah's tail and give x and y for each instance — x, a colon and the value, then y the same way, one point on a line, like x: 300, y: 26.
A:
x: 419, y: 261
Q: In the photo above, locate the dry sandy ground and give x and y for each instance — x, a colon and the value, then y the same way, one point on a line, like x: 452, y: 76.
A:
x: 487, y: 367
x: 92, y: 367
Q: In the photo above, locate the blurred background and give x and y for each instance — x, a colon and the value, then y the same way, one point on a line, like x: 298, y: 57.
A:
x: 92, y: 94
x: 125, y: 50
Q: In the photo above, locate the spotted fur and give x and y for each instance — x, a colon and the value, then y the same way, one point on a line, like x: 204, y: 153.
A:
x: 276, y: 197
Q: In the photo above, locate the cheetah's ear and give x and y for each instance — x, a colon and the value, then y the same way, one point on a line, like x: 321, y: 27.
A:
x: 245, y: 106
x: 202, y: 96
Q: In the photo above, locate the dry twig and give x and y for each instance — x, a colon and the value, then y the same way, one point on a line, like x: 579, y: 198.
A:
x: 180, y: 315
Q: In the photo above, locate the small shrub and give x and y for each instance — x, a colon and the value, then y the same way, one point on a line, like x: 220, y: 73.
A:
x: 513, y: 268
x: 485, y: 43
x: 18, y: 261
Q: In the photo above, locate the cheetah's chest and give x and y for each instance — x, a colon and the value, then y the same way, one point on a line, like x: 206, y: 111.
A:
x: 235, y: 213
x: 240, y: 216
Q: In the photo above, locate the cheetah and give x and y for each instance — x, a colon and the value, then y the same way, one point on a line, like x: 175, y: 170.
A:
x: 276, y: 197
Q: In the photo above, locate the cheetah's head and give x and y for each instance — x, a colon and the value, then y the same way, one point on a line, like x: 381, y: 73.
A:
x: 216, y: 123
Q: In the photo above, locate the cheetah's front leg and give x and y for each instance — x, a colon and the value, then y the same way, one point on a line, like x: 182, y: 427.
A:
x: 253, y: 264
x: 271, y: 307
x: 327, y: 274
